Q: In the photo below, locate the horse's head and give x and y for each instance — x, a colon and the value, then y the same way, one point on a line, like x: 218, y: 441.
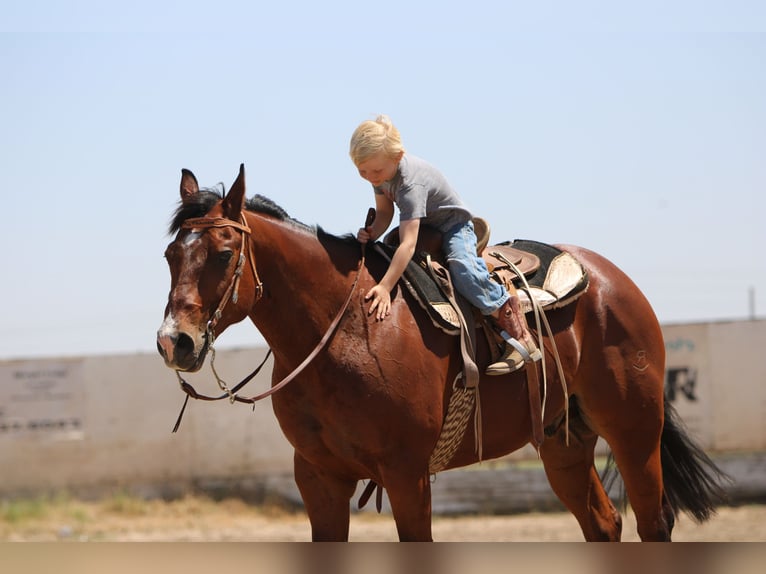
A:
x: 206, y: 261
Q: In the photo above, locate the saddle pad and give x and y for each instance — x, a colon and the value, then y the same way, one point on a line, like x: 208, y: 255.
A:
x: 425, y: 290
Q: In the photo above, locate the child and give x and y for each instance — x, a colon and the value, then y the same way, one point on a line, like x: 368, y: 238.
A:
x: 424, y: 196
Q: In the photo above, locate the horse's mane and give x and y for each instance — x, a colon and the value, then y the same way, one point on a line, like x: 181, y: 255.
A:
x: 348, y: 238
x: 200, y: 203
x: 203, y: 201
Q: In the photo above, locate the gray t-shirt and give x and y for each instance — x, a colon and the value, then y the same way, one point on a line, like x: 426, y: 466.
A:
x: 420, y: 191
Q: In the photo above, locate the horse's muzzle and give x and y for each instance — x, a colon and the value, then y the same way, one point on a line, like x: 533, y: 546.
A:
x: 181, y: 351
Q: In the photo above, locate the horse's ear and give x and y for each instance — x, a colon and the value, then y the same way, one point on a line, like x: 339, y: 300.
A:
x: 235, y: 199
x: 189, y: 185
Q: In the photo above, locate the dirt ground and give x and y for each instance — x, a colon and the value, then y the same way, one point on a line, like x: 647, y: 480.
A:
x: 200, y: 519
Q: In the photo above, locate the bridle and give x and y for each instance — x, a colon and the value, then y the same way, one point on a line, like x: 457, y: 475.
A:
x: 244, y: 252
x: 231, y: 294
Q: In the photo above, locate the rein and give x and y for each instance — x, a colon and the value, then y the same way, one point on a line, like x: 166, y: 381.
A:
x: 231, y: 294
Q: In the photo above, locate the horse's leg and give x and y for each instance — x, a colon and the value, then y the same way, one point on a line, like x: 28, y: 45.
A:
x: 326, y: 498
x: 629, y: 415
x: 639, y: 461
x: 573, y: 477
x: 410, y: 498
x: 634, y: 438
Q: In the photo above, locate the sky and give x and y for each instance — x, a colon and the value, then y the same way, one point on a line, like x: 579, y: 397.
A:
x: 637, y: 130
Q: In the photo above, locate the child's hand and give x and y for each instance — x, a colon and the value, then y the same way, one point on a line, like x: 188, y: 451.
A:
x: 381, y: 302
x: 363, y: 235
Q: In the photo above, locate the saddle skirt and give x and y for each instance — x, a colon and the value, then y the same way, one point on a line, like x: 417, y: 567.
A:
x: 555, y: 278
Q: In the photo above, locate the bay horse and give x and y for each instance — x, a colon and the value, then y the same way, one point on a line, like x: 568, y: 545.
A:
x: 371, y: 403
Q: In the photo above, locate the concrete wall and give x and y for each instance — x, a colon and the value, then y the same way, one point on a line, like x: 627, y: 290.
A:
x: 716, y: 378
x: 108, y: 421
x: 92, y: 422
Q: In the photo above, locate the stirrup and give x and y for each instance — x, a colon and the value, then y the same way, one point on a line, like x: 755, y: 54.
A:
x: 526, y: 354
x: 510, y: 363
x: 514, y: 360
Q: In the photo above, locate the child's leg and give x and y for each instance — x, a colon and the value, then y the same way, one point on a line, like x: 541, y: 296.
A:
x: 469, y: 272
x: 521, y: 346
x: 471, y: 279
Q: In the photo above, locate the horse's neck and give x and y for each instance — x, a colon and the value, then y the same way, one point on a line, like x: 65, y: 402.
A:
x: 303, y: 287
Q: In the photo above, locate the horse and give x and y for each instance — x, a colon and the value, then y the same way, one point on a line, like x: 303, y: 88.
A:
x: 370, y: 401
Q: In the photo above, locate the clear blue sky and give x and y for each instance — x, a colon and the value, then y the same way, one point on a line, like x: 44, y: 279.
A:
x: 638, y: 132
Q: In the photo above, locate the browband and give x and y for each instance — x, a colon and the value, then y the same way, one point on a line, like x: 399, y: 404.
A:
x: 205, y: 222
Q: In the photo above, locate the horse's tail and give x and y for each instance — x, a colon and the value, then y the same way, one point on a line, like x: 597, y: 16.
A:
x: 693, y: 483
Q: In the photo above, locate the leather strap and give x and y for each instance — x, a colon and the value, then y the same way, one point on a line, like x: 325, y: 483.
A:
x: 371, y: 487
x: 535, y: 404
x: 244, y: 252
x: 189, y: 389
x: 470, y: 370
x: 231, y: 394
x: 541, y: 318
x: 205, y: 222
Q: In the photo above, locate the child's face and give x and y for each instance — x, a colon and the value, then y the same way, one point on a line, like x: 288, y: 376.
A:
x: 379, y: 168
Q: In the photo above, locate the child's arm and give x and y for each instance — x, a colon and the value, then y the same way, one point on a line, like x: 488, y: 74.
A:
x: 384, y: 208
x: 408, y: 238
x: 381, y: 293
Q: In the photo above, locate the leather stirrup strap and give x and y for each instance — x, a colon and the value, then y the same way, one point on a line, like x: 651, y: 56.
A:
x: 533, y: 384
x: 535, y: 404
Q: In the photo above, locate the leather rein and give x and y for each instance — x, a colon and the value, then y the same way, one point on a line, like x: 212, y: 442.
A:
x: 231, y: 294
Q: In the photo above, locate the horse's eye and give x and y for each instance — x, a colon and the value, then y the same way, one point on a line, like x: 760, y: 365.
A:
x: 225, y: 256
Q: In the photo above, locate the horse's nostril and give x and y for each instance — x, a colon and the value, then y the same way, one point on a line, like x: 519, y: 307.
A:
x: 184, y: 345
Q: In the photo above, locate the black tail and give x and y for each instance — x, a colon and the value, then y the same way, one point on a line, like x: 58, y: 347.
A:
x: 693, y: 483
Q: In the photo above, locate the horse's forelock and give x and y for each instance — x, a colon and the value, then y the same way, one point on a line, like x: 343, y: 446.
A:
x: 196, y: 205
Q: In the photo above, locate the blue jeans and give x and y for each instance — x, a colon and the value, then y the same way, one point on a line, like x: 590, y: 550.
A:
x: 469, y: 273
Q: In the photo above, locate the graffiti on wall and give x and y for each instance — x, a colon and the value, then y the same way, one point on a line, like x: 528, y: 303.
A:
x: 41, y: 400
x: 681, y: 381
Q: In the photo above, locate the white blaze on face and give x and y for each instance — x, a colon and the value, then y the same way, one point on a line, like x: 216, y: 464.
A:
x: 169, y: 327
x: 192, y: 238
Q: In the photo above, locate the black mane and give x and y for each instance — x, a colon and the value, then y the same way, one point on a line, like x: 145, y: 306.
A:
x: 200, y: 203
x: 195, y: 206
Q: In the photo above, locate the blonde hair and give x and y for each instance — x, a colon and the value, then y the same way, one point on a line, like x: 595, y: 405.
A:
x: 374, y: 136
